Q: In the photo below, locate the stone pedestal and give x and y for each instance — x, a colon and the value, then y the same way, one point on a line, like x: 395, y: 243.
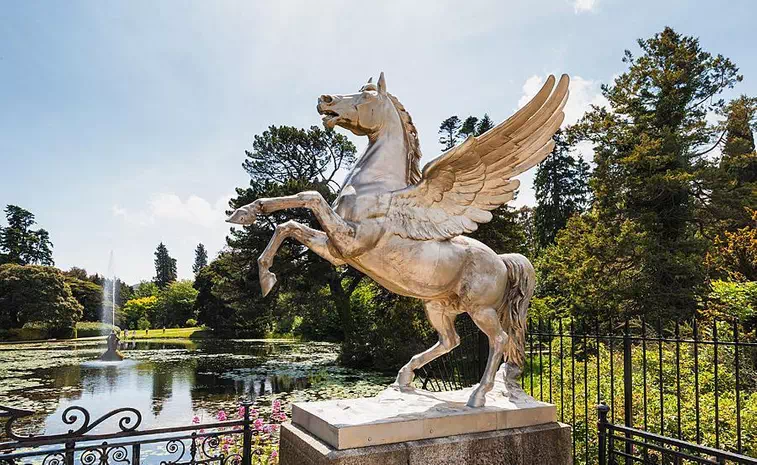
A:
x: 547, y: 444
x: 419, y: 427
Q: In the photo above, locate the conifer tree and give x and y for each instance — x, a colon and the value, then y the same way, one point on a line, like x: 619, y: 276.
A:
x: 449, y: 133
x: 201, y: 258
x: 165, y: 267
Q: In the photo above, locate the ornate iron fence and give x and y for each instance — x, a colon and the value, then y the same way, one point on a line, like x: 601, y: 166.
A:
x: 623, y: 445
x: 221, y: 443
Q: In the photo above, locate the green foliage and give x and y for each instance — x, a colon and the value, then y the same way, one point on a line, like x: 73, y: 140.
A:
x: 729, y: 300
x: 201, y: 258
x: 143, y: 324
x: 449, y: 132
x: 165, y: 267
x: 734, y: 254
x: 146, y: 289
x: 20, y: 244
x: 88, y: 294
x: 562, y: 190
x: 94, y: 329
x: 138, y: 309
x: 34, y: 294
x: 190, y: 323
x: 176, y: 304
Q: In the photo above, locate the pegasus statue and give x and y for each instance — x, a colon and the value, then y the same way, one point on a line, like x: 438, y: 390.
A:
x: 405, y: 227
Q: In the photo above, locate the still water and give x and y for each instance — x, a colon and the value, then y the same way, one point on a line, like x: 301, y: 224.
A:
x: 170, y: 381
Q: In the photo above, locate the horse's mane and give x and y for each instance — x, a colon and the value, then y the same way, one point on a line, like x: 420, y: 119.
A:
x: 413, y: 144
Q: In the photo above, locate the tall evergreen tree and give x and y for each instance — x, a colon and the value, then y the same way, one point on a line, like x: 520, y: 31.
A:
x: 562, y: 190
x: 468, y: 127
x: 201, y: 258
x: 20, y: 244
x: 484, y: 124
x: 449, y: 132
x: 165, y: 267
x: 641, y: 238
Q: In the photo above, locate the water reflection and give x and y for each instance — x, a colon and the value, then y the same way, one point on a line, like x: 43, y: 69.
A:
x: 168, y: 381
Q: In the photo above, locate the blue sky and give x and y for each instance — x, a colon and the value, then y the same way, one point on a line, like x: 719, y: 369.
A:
x: 123, y: 124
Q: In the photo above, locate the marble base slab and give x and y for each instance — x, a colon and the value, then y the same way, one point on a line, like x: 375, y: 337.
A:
x: 396, y: 416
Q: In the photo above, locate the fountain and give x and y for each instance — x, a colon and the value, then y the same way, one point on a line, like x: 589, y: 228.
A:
x: 112, y: 354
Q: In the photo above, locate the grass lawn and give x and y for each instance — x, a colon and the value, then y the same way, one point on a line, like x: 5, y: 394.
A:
x: 175, y: 333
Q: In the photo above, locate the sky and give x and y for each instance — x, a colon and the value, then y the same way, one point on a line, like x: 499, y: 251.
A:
x: 124, y: 123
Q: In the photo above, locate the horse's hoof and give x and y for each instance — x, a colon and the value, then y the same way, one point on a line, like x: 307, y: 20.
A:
x: 476, y: 400
x: 404, y: 378
x: 267, y: 281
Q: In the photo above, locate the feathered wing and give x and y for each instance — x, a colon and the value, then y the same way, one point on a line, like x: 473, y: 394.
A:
x: 461, y: 186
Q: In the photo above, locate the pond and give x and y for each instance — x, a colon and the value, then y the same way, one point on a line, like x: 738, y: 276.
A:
x: 171, y: 381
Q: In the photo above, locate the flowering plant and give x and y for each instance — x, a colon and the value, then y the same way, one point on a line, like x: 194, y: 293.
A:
x: 264, y: 444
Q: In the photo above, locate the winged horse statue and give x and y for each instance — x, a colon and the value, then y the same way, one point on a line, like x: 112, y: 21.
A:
x: 404, y: 227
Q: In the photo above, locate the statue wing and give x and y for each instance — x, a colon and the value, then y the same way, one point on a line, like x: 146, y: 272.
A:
x: 460, y: 187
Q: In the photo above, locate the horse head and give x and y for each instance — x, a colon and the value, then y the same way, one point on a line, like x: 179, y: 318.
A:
x: 364, y: 113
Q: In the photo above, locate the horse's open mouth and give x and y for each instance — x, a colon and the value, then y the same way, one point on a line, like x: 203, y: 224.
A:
x: 328, y: 117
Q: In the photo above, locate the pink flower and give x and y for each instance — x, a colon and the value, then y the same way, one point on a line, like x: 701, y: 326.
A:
x: 254, y: 413
x: 196, y: 419
x: 222, y: 415
x: 274, y: 454
x: 240, y: 412
x: 258, y: 424
x: 276, y: 406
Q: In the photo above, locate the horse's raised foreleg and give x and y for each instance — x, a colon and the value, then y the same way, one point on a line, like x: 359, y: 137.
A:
x: 488, y: 321
x: 444, y: 324
x: 315, y: 240
x: 340, y: 232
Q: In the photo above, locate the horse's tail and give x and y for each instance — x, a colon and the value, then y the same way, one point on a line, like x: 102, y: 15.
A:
x: 521, y: 281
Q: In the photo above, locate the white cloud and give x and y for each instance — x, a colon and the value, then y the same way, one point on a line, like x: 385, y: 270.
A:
x: 583, y: 94
x: 580, y: 6
x: 170, y: 208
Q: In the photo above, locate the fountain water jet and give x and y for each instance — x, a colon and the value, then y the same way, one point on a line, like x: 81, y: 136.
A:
x: 112, y: 354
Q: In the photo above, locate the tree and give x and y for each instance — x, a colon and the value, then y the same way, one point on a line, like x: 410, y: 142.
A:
x: 727, y: 189
x: 37, y: 294
x: 562, y: 190
x: 484, y: 124
x: 20, y: 244
x: 201, y: 259
x: 145, y: 289
x: 468, y: 127
x: 647, y: 145
x: 176, y: 304
x: 165, y: 267
x: 449, y: 132
x: 283, y: 161
x: 88, y: 294
x: 734, y: 254
x: 78, y: 273
x: 136, y: 310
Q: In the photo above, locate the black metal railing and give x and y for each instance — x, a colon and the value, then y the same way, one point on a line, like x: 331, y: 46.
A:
x: 243, y: 441
x: 623, y: 445
x: 694, y: 380
x: 690, y: 381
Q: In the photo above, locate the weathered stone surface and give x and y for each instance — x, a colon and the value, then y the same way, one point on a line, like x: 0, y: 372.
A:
x: 396, y: 416
x: 547, y: 444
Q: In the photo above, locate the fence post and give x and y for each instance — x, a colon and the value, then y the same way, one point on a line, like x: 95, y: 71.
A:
x: 69, y: 454
x: 627, y: 386
x: 602, y: 410
x: 247, y: 438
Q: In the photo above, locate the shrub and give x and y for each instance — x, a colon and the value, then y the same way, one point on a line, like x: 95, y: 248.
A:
x: 94, y: 328
x: 143, y: 324
x: 190, y: 323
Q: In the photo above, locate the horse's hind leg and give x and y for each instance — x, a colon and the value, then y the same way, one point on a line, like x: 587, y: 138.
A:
x: 488, y: 321
x: 444, y: 324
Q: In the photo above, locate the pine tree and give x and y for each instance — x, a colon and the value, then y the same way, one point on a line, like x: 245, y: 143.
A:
x: 165, y: 267
x: 20, y: 244
x: 484, y: 124
x: 561, y: 185
x: 201, y: 259
x: 469, y: 127
x: 449, y: 133
x: 641, y: 239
